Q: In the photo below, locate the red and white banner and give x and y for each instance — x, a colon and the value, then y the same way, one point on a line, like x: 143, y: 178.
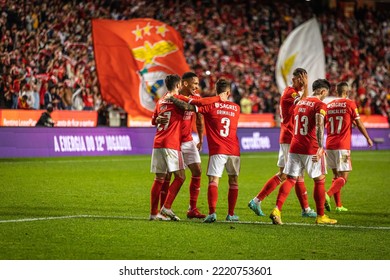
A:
x: 303, y: 48
x: 132, y: 60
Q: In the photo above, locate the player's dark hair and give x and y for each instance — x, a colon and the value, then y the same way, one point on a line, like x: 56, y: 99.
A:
x: 340, y: 87
x: 188, y: 75
x: 299, y: 71
x: 321, y: 83
x: 171, y: 81
x: 222, y: 85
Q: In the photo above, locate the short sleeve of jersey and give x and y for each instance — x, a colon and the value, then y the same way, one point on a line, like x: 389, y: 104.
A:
x: 354, y: 110
x: 321, y: 108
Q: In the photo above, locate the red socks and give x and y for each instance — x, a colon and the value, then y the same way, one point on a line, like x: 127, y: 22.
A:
x: 284, y: 191
x: 174, y: 188
x: 232, y: 198
x: 336, y: 186
x: 164, y: 192
x: 269, y: 187
x: 337, y: 199
x: 319, y: 196
x: 155, y: 195
x: 212, y: 196
x: 194, y: 191
x: 301, y: 192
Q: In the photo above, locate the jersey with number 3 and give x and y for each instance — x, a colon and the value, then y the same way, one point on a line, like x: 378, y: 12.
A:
x: 168, y: 135
x: 340, y: 114
x: 305, y: 139
x: 221, y: 121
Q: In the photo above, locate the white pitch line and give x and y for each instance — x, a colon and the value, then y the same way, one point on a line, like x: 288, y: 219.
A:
x: 227, y: 222
x: 42, y: 219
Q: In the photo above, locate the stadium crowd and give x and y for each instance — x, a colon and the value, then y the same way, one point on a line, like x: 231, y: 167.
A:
x: 46, y: 53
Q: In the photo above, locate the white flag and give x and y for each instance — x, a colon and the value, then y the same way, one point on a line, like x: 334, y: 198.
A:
x: 303, y: 48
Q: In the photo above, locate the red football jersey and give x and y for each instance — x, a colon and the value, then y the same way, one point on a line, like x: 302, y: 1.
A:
x: 340, y: 114
x: 186, y: 133
x: 221, y: 121
x: 305, y: 140
x: 196, y: 100
x: 287, y: 104
x: 168, y: 135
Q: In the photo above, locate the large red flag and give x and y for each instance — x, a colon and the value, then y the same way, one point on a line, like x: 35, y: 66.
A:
x: 132, y: 59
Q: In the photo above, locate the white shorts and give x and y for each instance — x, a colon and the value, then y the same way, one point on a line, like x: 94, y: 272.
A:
x: 166, y: 160
x: 297, y: 164
x: 283, y: 154
x: 339, y: 160
x: 217, y: 163
x: 190, y: 152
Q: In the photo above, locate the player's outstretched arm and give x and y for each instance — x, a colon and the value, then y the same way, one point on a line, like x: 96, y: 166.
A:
x: 182, y: 104
x: 223, y: 96
x: 204, y: 101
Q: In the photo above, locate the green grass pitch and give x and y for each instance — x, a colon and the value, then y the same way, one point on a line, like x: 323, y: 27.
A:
x: 91, y: 208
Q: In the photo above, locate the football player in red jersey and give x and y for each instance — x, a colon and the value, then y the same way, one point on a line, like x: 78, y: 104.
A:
x: 341, y: 114
x: 167, y: 156
x: 307, y: 151
x: 289, y: 99
x: 221, y: 121
x: 189, y: 148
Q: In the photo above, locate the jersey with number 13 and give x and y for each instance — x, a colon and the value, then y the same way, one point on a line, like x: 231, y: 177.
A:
x: 305, y: 139
x: 221, y: 121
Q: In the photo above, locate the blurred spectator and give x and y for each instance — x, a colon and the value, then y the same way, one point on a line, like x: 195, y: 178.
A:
x: 22, y: 102
x: 246, y: 104
x: 36, y: 104
x: 88, y: 99
x: 26, y: 90
x: 48, y: 99
x: 77, y: 100
x: 255, y: 101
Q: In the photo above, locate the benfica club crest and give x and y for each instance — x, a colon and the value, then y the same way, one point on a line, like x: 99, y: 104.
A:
x: 157, y: 49
x: 133, y: 57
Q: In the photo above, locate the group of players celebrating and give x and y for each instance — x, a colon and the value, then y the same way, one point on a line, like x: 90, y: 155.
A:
x: 304, y: 119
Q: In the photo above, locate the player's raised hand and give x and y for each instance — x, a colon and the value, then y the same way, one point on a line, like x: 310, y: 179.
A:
x: 303, y: 79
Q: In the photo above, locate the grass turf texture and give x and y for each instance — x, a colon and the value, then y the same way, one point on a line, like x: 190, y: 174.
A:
x: 113, y: 194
